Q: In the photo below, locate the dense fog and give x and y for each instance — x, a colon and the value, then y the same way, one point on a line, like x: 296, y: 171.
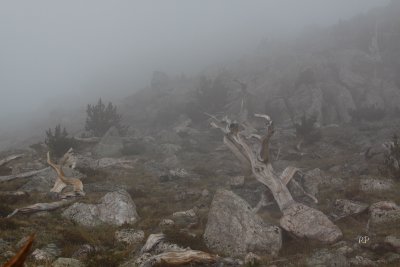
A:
x: 50, y: 49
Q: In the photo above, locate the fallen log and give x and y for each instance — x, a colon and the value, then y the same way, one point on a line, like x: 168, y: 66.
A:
x: 21, y: 175
x: 298, y: 218
x: 10, y: 158
x: 42, y: 207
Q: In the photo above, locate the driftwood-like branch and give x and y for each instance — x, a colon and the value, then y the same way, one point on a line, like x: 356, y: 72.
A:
x: 21, y: 175
x: 19, y: 259
x: 298, y: 218
x: 42, y: 207
x: 10, y: 158
x: 179, y: 258
x: 63, y: 181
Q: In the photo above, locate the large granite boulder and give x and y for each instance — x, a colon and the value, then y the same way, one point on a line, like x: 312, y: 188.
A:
x: 234, y: 230
x: 110, y: 144
x: 115, y: 208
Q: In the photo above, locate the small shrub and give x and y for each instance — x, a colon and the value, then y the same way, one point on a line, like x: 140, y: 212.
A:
x: 306, y: 129
x: 58, y: 141
x: 370, y: 113
x: 392, y: 158
x: 101, y: 117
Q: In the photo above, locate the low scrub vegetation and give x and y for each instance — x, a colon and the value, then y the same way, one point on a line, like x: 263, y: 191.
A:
x: 100, y: 118
x: 58, y: 141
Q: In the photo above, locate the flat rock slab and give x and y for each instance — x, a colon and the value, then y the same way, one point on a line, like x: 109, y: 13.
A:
x: 234, y: 230
x: 115, y: 208
x: 375, y: 185
x: 345, y: 207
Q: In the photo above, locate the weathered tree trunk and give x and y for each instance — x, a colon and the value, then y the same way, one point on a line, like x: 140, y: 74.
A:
x: 42, y: 207
x: 298, y: 218
x: 178, y: 258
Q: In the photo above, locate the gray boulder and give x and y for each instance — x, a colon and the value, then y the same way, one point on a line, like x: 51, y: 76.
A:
x: 234, y: 230
x: 110, y: 144
x: 384, y: 213
x: 115, y: 208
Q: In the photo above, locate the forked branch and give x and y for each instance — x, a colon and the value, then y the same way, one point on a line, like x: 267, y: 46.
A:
x: 63, y: 181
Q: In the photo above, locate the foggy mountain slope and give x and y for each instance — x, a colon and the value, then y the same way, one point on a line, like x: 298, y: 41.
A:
x: 183, y: 171
x: 331, y: 73
x: 338, y: 57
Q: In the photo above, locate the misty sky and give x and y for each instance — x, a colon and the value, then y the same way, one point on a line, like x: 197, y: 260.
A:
x: 51, y: 48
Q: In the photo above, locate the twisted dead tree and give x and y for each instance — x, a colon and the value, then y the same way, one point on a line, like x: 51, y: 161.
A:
x: 62, y: 181
x: 298, y: 218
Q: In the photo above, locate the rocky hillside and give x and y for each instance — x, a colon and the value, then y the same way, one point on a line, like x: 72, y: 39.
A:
x: 317, y: 187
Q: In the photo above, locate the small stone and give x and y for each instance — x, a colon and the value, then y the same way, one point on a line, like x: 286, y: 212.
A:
x: 67, y: 262
x: 84, y: 251
x: 205, y: 193
x: 47, y: 253
x: 252, y: 259
x: 362, y: 261
x: 324, y: 257
x: 394, y: 242
x: 166, y: 223
x: 129, y: 236
x: 236, y: 181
